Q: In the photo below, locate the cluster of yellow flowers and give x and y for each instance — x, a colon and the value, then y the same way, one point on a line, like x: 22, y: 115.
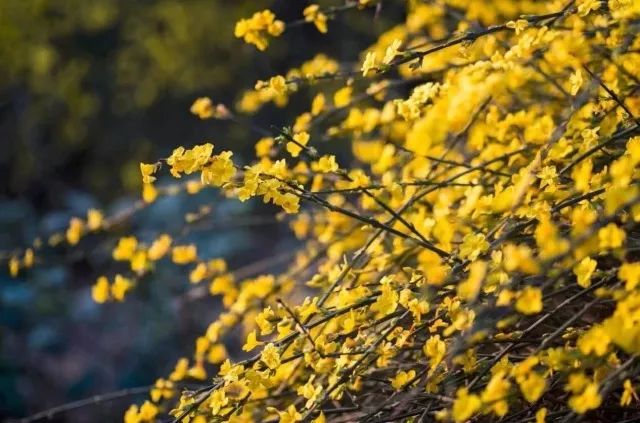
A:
x: 142, y: 259
x: 256, y: 29
x: 264, y: 179
x: 77, y: 228
x: 474, y: 256
x: 312, y: 13
x: 278, y: 88
x: 501, y: 195
x: 101, y: 291
x: 16, y: 262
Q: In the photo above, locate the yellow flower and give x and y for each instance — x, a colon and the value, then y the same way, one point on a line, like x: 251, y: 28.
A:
x: 231, y: 372
x: 548, y: 176
x: 264, y: 321
x: 217, y: 354
x: 630, y: 273
x: 180, y: 371
x: 326, y: 164
x: 391, y: 52
x: 469, y: 289
x: 197, y: 372
x: 278, y: 85
x: 495, y: 393
x: 532, y: 386
x: 125, y: 249
x: 149, y: 193
x: 301, y: 139
x: 541, y: 415
x: 184, y: 254
x: 163, y: 389
x: 100, y: 290
x: 473, y: 245
x: 222, y: 284
x: 465, y: 405
x: 581, y: 219
x: 147, y: 171
x: 586, y: 6
x: 611, y: 236
x: 270, y: 356
x: 434, y: 349
x: 584, y: 270
x: 218, y: 401
x: 95, y: 218
x: 289, y: 202
x: 203, y: 108
x: 263, y: 147
x: 120, y: 287
x: 255, y: 29
x: 198, y: 273
x: 577, y: 382
x: 633, y: 149
x: 202, y: 345
x: 132, y: 414
x: 342, y: 97
x: 318, y: 103
x: 581, y: 175
x: 217, y: 265
x: 148, y: 411
x: 313, y: 14
x: 159, y: 247
x: 575, y: 82
x: 617, y: 196
x: 252, y: 342
x: 548, y: 239
x: 28, y: 258
x: 220, y: 171
x: 350, y: 321
x: 589, y: 399
x: 519, y: 257
x: 595, y: 340
x: 139, y: 262
x: 75, y: 230
x: 628, y: 394
x: 310, y: 392
x: 518, y: 26
x: 387, y: 301
x: 523, y: 368
x: 529, y: 300
x: 308, y: 308
x: 402, y: 379
x: 14, y: 266
x: 409, y: 109
x: 369, y: 63
x: 291, y: 415
x: 189, y: 161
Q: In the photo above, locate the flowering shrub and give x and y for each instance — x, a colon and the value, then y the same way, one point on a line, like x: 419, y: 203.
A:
x: 473, y: 258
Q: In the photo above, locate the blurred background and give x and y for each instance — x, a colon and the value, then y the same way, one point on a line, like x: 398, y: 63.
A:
x: 88, y: 89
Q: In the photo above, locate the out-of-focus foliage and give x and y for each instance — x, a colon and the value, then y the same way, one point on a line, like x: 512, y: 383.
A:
x: 79, y: 81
